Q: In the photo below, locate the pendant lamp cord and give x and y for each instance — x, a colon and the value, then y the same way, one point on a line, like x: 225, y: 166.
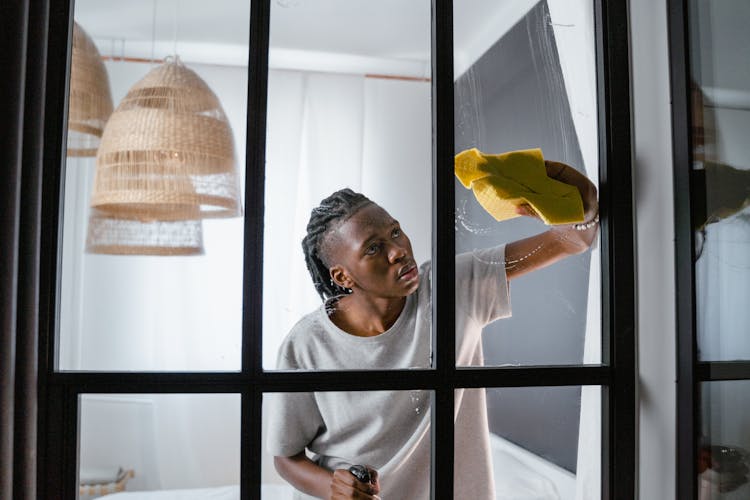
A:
x: 175, y: 27
x: 153, y: 32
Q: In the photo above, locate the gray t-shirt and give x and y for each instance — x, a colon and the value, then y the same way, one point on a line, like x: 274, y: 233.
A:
x: 389, y: 430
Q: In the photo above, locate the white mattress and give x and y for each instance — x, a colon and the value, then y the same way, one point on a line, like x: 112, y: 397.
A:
x: 519, y: 475
x: 277, y: 492
x: 219, y: 493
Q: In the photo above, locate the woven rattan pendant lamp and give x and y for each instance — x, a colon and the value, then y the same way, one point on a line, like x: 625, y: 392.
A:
x: 90, y: 103
x: 108, y: 235
x: 167, y: 152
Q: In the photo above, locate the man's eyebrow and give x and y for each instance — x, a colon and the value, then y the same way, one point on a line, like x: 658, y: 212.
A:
x: 368, y: 240
x: 374, y: 235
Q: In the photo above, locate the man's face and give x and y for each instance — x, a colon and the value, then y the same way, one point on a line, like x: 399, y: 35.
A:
x: 370, y: 254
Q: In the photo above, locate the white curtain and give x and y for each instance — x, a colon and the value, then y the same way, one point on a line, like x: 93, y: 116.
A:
x: 139, y: 313
x: 154, y: 313
x: 723, y: 269
x: 722, y: 288
x: 327, y: 132
x: 573, y: 25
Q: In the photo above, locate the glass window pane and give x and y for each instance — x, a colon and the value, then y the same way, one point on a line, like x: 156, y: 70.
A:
x: 181, y: 444
x: 533, y: 442
x: 388, y: 431
x: 724, y: 446
x: 151, y: 270
x: 348, y: 107
x: 720, y: 90
x: 526, y: 79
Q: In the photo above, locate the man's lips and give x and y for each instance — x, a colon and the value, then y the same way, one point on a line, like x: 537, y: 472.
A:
x: 408, y: 272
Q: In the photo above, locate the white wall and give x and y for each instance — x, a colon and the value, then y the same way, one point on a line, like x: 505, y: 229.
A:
x: 652, y: 176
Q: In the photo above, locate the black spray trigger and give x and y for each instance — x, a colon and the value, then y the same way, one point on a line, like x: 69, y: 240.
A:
x: 361, y: 473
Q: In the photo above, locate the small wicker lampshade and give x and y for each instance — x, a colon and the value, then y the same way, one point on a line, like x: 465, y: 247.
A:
x: 167, y: 152
x: 107, y: 235
x: 90, y: 101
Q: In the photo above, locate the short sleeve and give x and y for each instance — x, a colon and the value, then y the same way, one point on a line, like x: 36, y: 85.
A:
x: 482, y: 290
x: 293, y: 422
x: 293, y: 417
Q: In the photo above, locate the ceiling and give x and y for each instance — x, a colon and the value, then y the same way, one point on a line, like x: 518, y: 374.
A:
x: 396, y: 30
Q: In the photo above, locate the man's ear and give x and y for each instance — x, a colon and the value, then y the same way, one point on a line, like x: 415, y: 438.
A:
x: 341, y: 277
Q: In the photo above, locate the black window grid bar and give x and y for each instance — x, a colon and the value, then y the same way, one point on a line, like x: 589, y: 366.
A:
x: 365, y: 380
x: 688, y: 409
x: 252, y: 335
x: 617, y: 253
x: 443, y: 249
x: 714, y: 371
x: 53, y: 420
x: 61, y: 390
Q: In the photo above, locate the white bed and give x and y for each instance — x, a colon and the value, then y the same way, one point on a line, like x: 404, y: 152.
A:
x: 277, y: 492
x: 519, y: 475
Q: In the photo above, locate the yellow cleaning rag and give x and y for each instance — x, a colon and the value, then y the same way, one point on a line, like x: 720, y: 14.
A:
x: 503, y: 182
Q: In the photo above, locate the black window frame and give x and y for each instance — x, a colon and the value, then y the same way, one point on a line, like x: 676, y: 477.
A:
x: 60, y: 391
x: 689, y: 195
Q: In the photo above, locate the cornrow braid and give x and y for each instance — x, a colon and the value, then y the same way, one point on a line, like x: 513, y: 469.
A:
x: 337, y: 207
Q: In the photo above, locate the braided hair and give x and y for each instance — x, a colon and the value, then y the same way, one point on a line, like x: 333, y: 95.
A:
x: 336, y: 208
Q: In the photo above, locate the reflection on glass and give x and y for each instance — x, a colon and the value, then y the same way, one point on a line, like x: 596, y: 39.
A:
x: 185, y: 444
x: 348, y: 107
x: 724, y: 448
x: 531, y: 84
x: 720, y: 91
x: 152, y: 230
x: 386, y: 431
x: 533, y: 442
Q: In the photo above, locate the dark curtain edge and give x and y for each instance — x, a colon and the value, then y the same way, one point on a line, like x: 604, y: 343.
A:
x: 27, y: 351
x: 23, y: 28
x: 13, y: 35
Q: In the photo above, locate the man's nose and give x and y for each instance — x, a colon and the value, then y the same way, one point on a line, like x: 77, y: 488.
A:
x: 396, y: 252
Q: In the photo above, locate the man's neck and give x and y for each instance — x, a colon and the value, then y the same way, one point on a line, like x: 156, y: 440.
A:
x: 366, y: 318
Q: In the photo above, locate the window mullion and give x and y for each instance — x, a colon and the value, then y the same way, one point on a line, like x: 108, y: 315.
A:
x: 688, y: 417
x: 252, y: 296
x: 618, y: 279
x: 443, y: 248
x: 252, y: 359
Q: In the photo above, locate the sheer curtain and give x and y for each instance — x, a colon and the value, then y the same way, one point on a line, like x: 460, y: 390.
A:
x: 144, y: 313
x: 573, y: 25
x: 326, y: 132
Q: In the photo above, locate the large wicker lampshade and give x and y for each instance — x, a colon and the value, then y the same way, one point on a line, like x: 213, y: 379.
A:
x: 131, y: 233
x: 167, y: 152
x: 108, y: 235
x: 90, y: 103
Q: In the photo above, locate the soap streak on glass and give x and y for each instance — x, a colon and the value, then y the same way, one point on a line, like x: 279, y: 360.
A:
x: 469, y: 116
x: 287, y: 4
x: 463, y: 221
x: 505, y: 261
x: 544, y: 59
x: 418, y: 400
